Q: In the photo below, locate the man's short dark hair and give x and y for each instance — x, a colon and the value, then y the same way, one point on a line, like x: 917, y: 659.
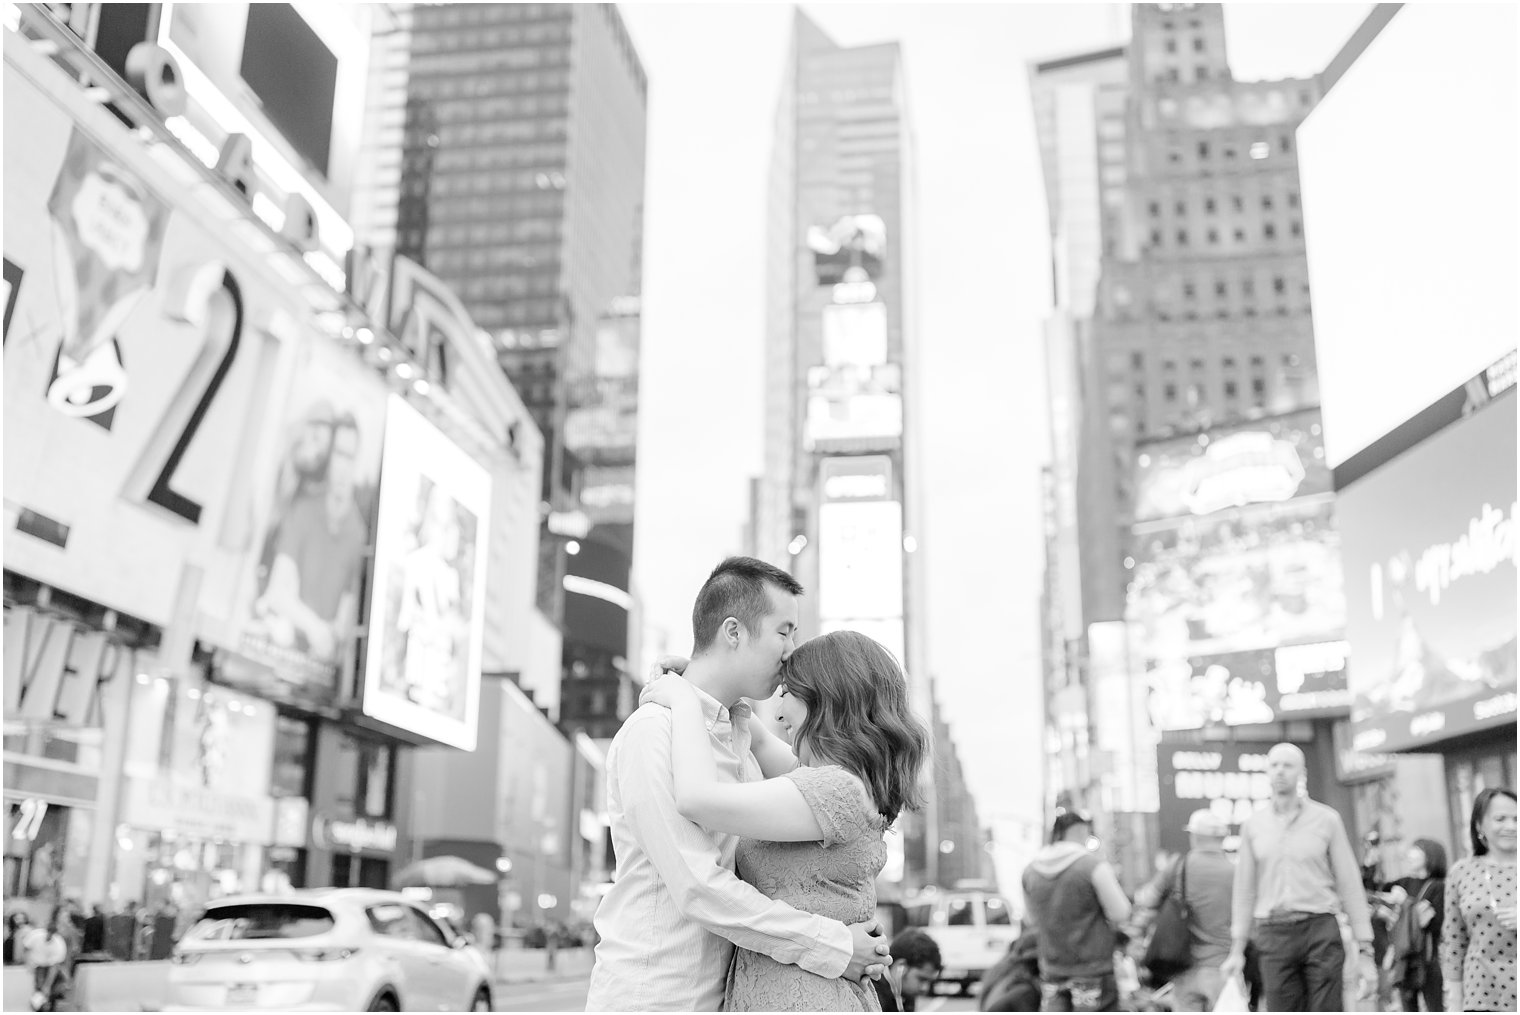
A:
x: 736, y: 588
x: 914, y: 948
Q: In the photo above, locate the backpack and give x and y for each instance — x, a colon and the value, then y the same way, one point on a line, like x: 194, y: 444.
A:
x: 1409, y: 944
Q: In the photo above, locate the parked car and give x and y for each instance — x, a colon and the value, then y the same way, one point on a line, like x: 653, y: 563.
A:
x: 336, y: 949
x: 973, y: 928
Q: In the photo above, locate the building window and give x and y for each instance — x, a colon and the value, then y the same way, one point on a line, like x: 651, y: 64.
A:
x: 1189, y: 290
x: 1202, y: 73
x: 1279, y: 284
x: 1170, y: 392
x: 1258, y: 386
x: 1171, y: 45
x: 1155, y: 237
x: 1137, y: 360
x: 1257, y: 363
x: 1203, y: 149
x: 1155, y: 209
x: 1198, y: 44
x: 1266, y: 202
x: 1248, y: 286
x: 1285, y: 143
x: 1240, y: 235
x: 1209, y: 205
x: 1182, y: 237
x: 1231, y: 389
x: 1295, y: 228
x: 1269, y: 231
x: 1292, y: 199
x: 1220, y: 288
x: 1228, y: 362
x: 1237, y: 203
x: 1181, y: 207
x: 1213, y: 235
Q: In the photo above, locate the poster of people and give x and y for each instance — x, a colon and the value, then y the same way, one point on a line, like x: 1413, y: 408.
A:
x: 302, y: 584
x: 427, y: 604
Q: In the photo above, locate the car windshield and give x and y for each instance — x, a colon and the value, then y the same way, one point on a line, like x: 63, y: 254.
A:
x: 260, y: 920
x: 997, y: 912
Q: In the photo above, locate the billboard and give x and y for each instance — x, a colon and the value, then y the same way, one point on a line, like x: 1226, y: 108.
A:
x: 1255, y: 686
x: 853, y: 407
x: 1266, y: 461
x: 854, y: 333
x: 296, y: 606
x: 1229, y: 779
x: 852, y: 249
x: 1235, y: 580
x: 427, y: 601
x: 860, y: 533
x: 1397, y: 324
x: 1431, y: 606
x: 601, y: 423
x: 150, y: 372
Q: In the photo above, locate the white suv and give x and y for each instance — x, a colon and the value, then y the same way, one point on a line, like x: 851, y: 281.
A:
x: 338, y: 949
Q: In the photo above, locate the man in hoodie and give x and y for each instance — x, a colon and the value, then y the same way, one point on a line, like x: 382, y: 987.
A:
x: 1075, y: 904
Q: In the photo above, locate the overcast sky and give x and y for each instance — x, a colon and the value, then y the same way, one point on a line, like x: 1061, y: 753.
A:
x: 714, y: 76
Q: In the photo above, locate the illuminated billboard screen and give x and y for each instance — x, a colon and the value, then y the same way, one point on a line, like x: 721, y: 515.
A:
x: 1430, y: 549
x: 1242, y: 688
x: 1409, y: 305
x: 860, y: 573
x: 855, y: 333
x: 427, y: 602
x: 1235, y: 580
x: 294, y: 75
x: 1264, y: 461
x: 1228, y: 779
x: 851, y: 250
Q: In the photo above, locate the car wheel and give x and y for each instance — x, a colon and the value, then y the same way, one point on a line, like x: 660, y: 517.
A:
x: 482, y: 1000
x: 385, y: 1002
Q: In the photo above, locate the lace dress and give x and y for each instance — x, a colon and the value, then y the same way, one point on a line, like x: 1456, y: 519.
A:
x: 835, y: 878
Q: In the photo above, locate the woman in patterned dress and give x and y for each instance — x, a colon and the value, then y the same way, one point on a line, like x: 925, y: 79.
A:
x: 812, y: 829
x: 1478, y: 933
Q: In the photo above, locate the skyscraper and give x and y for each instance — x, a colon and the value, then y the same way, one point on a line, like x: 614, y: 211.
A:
x: 1181, y: 345
x: 521, y: 180
x: 838, y: 502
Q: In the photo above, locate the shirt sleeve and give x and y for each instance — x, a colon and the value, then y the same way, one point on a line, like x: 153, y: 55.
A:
x: 1453, y: 930
x: 1348, y: 881
x: 1110, y: 894
x: 1244, y: 900
x: 689, y: 864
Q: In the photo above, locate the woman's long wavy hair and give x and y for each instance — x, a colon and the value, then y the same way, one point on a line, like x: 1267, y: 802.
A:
x: 858, y: 715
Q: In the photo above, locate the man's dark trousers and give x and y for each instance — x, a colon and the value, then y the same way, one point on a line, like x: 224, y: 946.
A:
x: 1302, y: 962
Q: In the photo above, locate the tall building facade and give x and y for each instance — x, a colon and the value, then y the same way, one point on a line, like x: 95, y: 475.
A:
x: 838, y: 504
x: 1190, y: 493
x: 510, y: 162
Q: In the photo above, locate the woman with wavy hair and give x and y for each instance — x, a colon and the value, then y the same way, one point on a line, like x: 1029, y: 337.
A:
x: 812, y: 830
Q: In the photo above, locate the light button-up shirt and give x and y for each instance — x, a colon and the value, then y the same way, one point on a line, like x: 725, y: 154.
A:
x: 1298, y: 863
x: 669, y: 924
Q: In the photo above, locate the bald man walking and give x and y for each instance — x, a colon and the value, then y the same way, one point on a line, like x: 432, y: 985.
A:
x: 1296, y: 872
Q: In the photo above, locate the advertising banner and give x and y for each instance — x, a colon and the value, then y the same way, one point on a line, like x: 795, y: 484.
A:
x: 602, y: 421
x: 855, y: 333
x: 427, y: 601
x: 1237, y: 580
x: 1265, y: 461
x: 860, y: 534
x: 1431, y: 612
x: 145, y: 369
x: 851, y: 250
x: 1228, y: 779
x: 295, y: 608
x: 1241, y: 688
x: 853, y: 407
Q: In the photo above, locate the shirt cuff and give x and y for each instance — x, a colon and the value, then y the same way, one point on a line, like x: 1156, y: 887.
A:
x: 832, y: 950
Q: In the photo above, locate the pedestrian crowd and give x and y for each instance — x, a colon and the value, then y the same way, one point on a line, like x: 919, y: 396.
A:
x: 1293, y: 922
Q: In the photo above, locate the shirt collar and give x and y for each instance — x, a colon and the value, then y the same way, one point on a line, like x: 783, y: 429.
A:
x: 715, y: 713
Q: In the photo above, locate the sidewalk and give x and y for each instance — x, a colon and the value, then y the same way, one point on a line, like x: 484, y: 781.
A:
x: 530, y: 965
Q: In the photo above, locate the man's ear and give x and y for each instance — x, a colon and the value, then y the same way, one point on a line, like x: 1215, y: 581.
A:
x: 731, y: 631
